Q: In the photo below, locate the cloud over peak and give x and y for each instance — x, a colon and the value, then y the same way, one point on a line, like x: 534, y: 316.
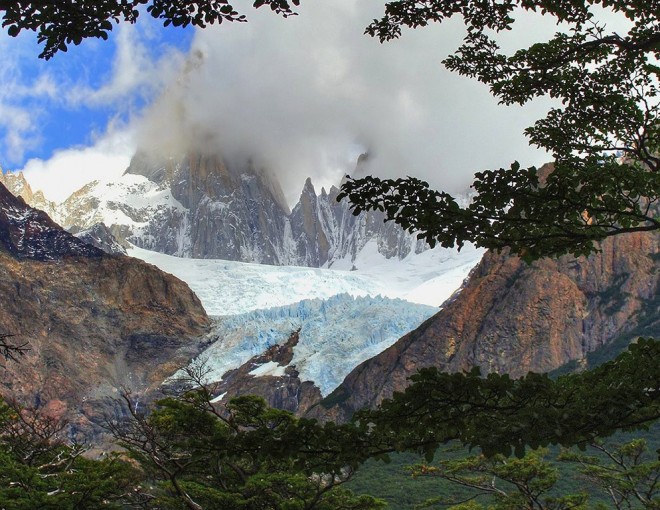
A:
x: 305, y: 95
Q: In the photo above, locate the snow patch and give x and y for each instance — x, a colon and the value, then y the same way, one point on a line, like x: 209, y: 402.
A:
x: 270, y: 368
x: 218, y: 398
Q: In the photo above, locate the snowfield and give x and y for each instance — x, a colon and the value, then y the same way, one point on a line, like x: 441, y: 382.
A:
x: 230, y: 288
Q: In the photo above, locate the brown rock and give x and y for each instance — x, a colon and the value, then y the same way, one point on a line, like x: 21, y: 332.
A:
x: 514, y: 318
x: 286, y: 391
x: 94, y: 323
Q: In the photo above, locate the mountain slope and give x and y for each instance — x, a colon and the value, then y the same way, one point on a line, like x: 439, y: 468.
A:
x: 93, y: 323
x: 515, y: 318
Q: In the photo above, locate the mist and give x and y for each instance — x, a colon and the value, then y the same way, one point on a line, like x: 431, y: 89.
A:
x: 304, y: 96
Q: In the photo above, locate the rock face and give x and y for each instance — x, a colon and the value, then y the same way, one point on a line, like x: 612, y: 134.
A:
x: 515, y: 318
x: 326, y: 231
x: 199, y: 206
x: 18, y: 186
x: 29, y: 233
x: 94, y: 323
x: 267, y: 375
x: 101, y: 237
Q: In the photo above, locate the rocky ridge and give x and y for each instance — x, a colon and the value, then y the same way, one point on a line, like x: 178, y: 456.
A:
x: 19, y: 186
x: 29, y: 233
x: 512, y: 317
x: 101, y: 237
x: 94, y: 323
x: 270, y: 376
x: 202, y: 207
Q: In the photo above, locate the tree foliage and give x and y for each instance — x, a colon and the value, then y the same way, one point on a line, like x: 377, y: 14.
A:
x: 604, y: 137
x: 242, y: 455
x: 59, y: 23
x: 501, y: 415
x: 40, y: 468
x: 188, y: 452
x: 623, y: 476
x: 505, y: 483
x: 626, y: 473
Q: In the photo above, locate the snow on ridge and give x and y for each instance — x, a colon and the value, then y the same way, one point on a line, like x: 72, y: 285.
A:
x: 271, y: 368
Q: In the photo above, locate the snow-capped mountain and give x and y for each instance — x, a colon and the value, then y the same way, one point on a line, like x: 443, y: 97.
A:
x: 28, y: 233
x: 202, y: 207
x: 341, y: 314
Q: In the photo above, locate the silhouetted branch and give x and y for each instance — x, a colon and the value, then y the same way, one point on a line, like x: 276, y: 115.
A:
x: 11, y: 351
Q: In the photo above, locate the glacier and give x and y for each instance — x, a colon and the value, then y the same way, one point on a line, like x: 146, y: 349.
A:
x: 335, y: 335
x: 345, y: 315
x: 229, y: 287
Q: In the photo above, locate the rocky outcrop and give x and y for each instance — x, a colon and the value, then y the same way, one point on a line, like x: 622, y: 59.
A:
x: 29, y: 233
x: 268, y: 376
x: 19, y: 186
x: 93, y: 323
x: 326, y: 231
x: 101, y: 237
x: 512, y: 317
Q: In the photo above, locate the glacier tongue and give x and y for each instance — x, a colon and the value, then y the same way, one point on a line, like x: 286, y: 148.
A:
x: 336, y: 335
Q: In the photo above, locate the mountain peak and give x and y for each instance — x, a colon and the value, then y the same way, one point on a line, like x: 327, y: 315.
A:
x: 29, y: 233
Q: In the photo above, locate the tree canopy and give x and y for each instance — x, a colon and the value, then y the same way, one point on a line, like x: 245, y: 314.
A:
x: 604, y: 137
x: 190, y: 450
x: 59, y: 23
x: 501, y: 415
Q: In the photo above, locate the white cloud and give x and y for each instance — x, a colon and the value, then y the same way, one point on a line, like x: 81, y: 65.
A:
x: 305, y: 95
x: 19, y: 122
x: 299, y: 95
x: 33, y: 91
x: 133, y: 72
x: 68, y: 170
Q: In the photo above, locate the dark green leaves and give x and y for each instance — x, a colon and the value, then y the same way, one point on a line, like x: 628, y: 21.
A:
x: 563, y: 209
x: 603, y: 136
x: 500, y: 415
x: 61, y: 23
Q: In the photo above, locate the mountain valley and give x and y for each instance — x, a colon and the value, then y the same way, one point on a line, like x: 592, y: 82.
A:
x: 317, y: 310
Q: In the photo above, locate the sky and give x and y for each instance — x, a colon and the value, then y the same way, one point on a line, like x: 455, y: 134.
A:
x: 302, y: 96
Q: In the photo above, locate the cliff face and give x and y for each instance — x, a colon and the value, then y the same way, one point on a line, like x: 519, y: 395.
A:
x: 29, y: 233
x: 326, y: 231
x: 93, y: 323
x: 515, y: 318
x: 18, y: 186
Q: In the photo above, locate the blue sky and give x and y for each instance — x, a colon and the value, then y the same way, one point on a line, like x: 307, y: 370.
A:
x: 69, y: 100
